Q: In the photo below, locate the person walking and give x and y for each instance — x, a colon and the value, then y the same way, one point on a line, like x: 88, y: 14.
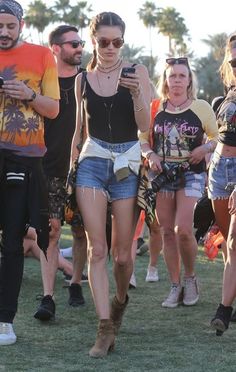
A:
x: 28, y: 94
x: 67, y: 47
x: 179, y: 176
x: 222, y: 182
x: 116, y: 107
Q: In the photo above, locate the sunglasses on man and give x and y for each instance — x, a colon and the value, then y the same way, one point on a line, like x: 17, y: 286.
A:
x: 177, y: 61
x: 103, y: 42
x: 233, y: 62
x: 74, y: 43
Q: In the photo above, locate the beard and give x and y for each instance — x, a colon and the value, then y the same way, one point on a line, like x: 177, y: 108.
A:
x: 73, y: 60
x: 11, y: 45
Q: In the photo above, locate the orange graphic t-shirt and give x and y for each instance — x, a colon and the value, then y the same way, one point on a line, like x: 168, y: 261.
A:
x: 21, y: 127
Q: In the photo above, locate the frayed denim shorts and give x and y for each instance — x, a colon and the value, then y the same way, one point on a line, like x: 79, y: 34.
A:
x: 222, y: 176
x: 97, y: 173
x: 193, y: 184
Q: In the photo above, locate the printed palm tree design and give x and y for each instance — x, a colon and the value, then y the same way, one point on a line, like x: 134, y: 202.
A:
x: 9, y: 73
x: 15, y: 124
x: 32, y: 126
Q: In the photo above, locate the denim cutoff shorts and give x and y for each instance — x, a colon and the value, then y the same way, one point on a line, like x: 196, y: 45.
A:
x: 97, y: 173
x: 194, y: 184
x: 222, y: 173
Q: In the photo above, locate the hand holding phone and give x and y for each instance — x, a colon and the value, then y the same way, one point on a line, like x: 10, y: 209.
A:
x: 127, y: 70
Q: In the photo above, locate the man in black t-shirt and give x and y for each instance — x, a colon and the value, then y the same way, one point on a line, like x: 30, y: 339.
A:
x: 67, y: 48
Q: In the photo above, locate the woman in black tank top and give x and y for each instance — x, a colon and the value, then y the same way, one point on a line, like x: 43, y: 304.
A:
x: 115, y: 107
x: 222, y: 185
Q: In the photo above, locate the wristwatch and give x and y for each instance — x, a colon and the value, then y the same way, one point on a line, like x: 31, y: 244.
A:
x: 32, y: 97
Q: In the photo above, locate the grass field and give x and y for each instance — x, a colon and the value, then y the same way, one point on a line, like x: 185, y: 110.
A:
x: 151, y: 338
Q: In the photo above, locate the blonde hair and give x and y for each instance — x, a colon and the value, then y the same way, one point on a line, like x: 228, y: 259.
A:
x: 163, y: 89
x: 226, y: 72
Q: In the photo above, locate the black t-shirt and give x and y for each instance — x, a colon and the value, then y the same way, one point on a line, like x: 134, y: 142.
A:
x: 58, y: 132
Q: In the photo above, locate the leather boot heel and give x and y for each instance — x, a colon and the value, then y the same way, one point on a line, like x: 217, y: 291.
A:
x: 105, y: 340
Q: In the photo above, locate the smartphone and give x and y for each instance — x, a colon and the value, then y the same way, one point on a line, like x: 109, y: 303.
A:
x: 1, y: 82
x: 127, y: 70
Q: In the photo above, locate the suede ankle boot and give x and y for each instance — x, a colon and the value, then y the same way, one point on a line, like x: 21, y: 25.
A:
x: 105, y: 340
x: 117, y: 312
x: 221, y: 320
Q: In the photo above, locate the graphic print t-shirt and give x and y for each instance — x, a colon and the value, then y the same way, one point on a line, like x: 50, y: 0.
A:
x: 177, y: 134
x: 21, y: 127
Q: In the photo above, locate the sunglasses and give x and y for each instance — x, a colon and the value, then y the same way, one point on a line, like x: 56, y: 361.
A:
x: 74, y: 43
x: 233, y: 63
x: 103, y: 42
x: 177, y: 61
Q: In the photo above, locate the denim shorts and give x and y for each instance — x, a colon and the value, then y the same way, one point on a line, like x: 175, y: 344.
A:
x: 97, y: 173
x: 193, y: 184
x: 222, y: 176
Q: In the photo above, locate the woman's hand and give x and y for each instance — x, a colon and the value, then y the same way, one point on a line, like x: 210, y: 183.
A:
x: 232, y: 202
x: 155, y: 162
x: 197, y: 154
x: 132, y: 82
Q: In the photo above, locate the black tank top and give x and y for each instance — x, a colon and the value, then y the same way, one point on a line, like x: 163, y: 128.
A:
x: 110, y: 119
x: 226, y: 119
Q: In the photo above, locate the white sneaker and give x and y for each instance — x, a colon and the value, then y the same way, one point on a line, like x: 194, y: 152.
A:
x: 191, y: 291
x: 132, y: 282
x: 66, y: 252
x: 152, y: 274
x: 7, y: 334
x: 175, y: 297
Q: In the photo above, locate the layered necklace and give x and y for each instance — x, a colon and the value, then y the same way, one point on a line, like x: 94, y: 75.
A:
x: 109, y: 69
x: 108, y: 105
x: 178, y: 107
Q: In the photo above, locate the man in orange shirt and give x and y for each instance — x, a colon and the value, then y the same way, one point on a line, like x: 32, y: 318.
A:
x: 29, y: 91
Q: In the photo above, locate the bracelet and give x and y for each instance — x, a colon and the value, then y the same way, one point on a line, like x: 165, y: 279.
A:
x: 147, y: 154
x: 137, y: 109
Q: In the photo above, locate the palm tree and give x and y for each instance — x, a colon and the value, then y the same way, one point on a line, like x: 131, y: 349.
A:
x: 74, y: 15
x: 171, y: 24
x: 38, y: 16
x: 148, y: 14
x: 217, y: 44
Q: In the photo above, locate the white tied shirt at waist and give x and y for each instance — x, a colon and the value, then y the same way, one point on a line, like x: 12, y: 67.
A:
x: 128, y: 159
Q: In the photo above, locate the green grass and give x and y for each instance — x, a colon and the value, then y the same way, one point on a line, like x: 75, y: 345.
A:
x: 151, y: 338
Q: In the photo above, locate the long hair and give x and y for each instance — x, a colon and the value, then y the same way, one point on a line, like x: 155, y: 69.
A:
x: 163, y: 90
x: 103, y: 19
x: 226, y: 71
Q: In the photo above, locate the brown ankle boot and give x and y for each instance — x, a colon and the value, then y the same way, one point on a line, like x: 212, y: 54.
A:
x: 117, y: 312
x: 105, y: 340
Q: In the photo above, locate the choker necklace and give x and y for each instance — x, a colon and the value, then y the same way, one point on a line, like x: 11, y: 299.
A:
x: 108, y: 70
x: 178, y: 107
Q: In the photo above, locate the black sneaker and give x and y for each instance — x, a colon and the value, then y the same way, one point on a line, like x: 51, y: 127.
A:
x: 46, y: 310
x: 76, y: 297
x: 221, y: 320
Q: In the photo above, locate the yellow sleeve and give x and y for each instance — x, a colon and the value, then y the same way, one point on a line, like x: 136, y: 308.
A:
x: 207, y: 116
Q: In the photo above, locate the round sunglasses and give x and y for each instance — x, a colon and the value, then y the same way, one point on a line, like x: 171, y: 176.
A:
x: 103, y: 42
